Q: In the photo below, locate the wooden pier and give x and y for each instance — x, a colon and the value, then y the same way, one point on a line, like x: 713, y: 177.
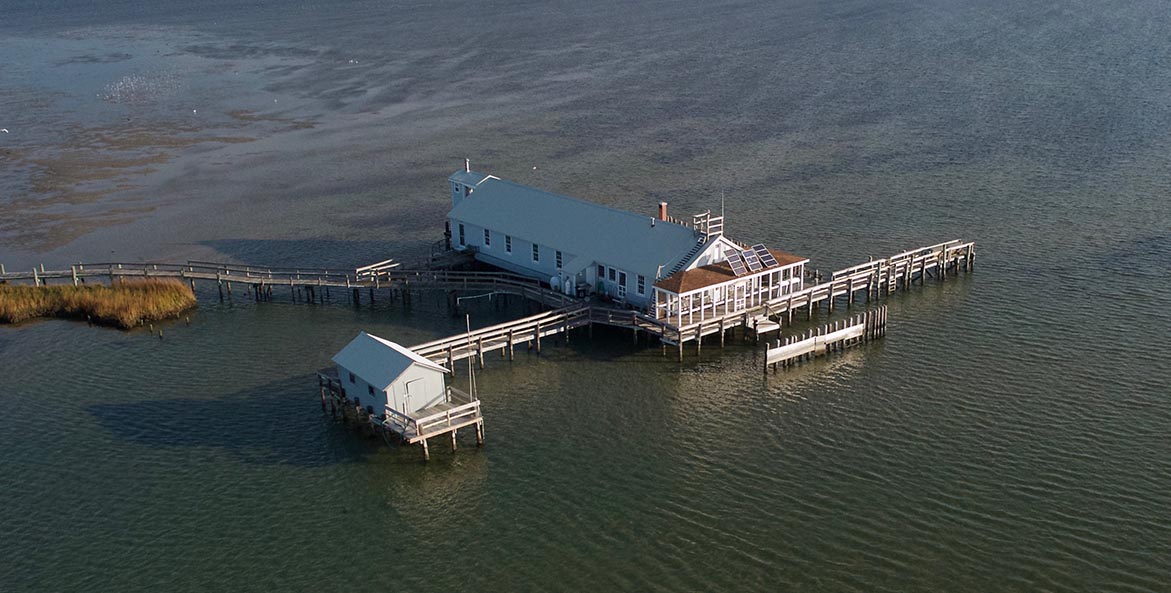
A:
x: 305, y: 284
x: 833, y: 337
x: 872, y: 280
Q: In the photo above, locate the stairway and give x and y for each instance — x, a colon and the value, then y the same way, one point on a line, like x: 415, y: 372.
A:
x: 699, y: 243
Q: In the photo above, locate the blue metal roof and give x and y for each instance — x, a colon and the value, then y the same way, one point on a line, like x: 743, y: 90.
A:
x: 620, y: 239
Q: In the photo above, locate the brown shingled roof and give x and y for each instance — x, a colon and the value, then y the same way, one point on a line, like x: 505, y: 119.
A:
x: 713, y: 274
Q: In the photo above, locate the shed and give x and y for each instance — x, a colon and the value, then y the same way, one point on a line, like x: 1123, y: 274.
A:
x: 377, y: 373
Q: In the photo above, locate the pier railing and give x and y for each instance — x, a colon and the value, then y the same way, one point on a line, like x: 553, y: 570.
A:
x: 377, y: 276
x: 414, y: 427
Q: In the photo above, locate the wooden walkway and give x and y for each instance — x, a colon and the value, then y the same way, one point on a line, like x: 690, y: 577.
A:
x: 872, y: 279
x: 310, y: 284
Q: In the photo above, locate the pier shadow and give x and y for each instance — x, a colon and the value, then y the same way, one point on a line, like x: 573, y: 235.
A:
x: 276, y: 423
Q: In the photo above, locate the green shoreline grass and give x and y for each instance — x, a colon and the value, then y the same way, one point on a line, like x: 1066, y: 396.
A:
x: 124, y: 305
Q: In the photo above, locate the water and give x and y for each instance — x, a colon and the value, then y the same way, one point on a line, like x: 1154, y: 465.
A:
x: 1008, y: 434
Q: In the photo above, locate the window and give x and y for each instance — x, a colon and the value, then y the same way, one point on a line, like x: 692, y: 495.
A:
x: 358, y: 401
x: 508, y: 243
x: 370, y: 389
x: 352, y: 379
x: 536, y: 252
x: 487, y: 237
x: 613, y: 273
x: 461, y: 233
x: 601, y: 272
x: 785, y: 274
x: 558, y: 260
x: 641, y: 284
x: 621, y: 278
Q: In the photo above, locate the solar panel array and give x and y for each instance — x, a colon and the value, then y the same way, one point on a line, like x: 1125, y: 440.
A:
x: 752, y: 260
x: 736, y: 263
x: 766, y: 257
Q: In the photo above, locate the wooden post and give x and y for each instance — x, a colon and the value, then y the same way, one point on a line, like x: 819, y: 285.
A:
x: 480, y: 350
x: 426, y: 453
x: 450, y: 359
x: 480, y: 433
x: 510, y: 343
x: 537, y: 336
x: 453, y: 441
x: 721, y: 333
x: 699, y: 338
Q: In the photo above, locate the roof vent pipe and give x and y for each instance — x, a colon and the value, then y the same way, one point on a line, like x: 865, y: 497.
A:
x: 663, y: 211
x: 467, y: 166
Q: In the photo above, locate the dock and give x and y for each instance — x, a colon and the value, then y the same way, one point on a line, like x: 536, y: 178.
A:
x: 310, y: 285
x: 870, y: 281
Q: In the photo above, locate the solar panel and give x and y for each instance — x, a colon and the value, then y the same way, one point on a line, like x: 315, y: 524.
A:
x: 766, y: 257
x: 752, y: 260
x: 736, y: 263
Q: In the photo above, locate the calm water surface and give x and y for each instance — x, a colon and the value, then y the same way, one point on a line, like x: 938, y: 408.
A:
x: 1011, y: 433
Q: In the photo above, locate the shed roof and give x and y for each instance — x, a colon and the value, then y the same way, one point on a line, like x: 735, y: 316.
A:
x: 685, y: 281
x: 379, y: 362
x: 621, y: 239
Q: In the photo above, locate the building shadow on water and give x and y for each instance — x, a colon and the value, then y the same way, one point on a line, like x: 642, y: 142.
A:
x: 275, y: 423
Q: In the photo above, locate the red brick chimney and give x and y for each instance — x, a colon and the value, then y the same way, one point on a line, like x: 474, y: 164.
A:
x: 663, y: 211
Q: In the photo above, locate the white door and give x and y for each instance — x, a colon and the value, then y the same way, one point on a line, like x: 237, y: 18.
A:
x: 738, y: 305
x: 416, y: 395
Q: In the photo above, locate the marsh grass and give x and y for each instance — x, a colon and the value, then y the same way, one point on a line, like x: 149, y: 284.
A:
x: 123, y: 305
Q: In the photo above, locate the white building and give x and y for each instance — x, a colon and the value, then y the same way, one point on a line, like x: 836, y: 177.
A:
x: 378, y: 374
x: 658, y: 263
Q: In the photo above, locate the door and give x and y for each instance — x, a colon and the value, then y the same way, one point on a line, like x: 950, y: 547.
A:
x: 416, y: 395
x: 621, y: 293
x: 738, y: 305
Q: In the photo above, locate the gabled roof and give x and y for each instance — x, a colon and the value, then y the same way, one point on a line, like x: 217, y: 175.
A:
x: 685, y: 281
x: 621, y: 239
x: 379, y: 362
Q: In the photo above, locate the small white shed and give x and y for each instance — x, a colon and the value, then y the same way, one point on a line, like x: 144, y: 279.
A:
x: 376, y: 373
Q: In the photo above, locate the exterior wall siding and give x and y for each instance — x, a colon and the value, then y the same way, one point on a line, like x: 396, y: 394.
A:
x: 520, y: 261
x: 396, y: 395
x: 359, y: 389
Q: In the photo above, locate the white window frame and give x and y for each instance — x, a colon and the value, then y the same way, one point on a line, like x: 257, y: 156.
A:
x: 508, y: 243
x: 536, y: 253
x: 558, y: 260
x: 462, y: 240
x: 487, y: 237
